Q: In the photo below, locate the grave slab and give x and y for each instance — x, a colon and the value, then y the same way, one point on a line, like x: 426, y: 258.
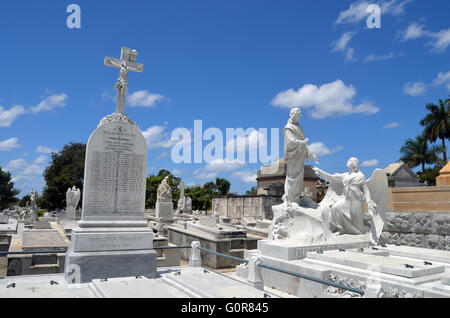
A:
x: 387, y: 265
x: 290, y: 251
x: 137, y: 288
x: 36, y: 240
x: 419, y: 253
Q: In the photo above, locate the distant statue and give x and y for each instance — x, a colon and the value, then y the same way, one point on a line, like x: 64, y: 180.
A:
x: 33, y: 213
x: 33, y: 198
x: 164, y: 193
x: 184, y: 203
x: 296, y: 151
x: 72, y: 199
x: 340, y: 214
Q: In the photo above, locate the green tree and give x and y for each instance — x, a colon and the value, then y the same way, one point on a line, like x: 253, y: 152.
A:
x: 152, y: 184
x: 437, y: 124
x: 253, y: 191
x: 430, y: 174
x: 201, y: 197
x: 416, y: 152
x: 223, y: 186
x: 65, y: 171
x: 7, y: 191
x: 24, y: 200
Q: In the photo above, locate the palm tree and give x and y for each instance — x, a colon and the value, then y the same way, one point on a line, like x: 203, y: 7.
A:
x: 437, y: 124
x: 417, y: 152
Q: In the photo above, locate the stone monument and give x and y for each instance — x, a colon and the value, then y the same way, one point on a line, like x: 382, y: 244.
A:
x: 112, y: 239
x: 72, y: 198
x: 340, y: 217
x: 296, y: 151
x: 184, y: 203
x: 33, y: 213
x: 164, y: 204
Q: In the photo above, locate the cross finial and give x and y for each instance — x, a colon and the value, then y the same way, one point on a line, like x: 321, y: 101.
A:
x: 125, y: 64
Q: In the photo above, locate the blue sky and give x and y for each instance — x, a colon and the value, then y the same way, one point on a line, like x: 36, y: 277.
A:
x: 228, y: 63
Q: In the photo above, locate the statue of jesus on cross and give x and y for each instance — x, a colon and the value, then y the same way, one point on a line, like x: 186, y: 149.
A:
x: 125, y: 64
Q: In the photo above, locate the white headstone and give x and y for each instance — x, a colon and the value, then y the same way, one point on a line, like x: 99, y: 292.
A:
x: 112, y: 239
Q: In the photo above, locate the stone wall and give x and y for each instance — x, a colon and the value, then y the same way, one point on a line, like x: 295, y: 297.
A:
x: 423, y: 199
x: 427, y: 229
x: 237, y: 207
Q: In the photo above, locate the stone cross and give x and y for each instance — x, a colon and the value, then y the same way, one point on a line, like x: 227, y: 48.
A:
x: 125, y: 64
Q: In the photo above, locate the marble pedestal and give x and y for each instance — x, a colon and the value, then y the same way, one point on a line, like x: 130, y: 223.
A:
x: 103, y: 252
x: 164, y: 210
x: 71, y: 213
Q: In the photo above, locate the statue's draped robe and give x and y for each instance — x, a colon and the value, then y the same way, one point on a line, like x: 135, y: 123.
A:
x: 347, y: 214
x: 295, y: 153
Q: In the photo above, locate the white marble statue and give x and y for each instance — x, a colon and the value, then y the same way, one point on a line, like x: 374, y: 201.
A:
x: 184, y: 203
x: 296, y: 151
x: 33, y: 213
x: 341, y: 213
x: 164, y: 193
x: 73, y: 197
x: 125, y: 64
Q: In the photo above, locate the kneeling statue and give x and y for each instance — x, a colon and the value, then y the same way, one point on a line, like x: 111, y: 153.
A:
x: 341, y: 212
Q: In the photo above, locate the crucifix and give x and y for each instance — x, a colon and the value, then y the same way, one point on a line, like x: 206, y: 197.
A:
x: 125, y: 64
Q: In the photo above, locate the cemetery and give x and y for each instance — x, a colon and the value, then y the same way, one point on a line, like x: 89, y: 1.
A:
x: 107, y: 226
x: 355, y: 242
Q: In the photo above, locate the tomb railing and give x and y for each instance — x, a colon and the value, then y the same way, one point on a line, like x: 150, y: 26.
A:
x: 241, y: 260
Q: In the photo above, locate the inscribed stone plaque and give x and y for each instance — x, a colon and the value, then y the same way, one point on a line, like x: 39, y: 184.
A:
x: 115, y: 172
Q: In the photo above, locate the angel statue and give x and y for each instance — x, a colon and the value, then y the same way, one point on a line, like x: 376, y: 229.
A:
x: 164, y: 192
x: 341, y: 213
x: 72, y: 199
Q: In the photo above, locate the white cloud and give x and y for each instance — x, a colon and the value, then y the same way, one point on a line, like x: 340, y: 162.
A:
x: 245, y: 176
x: 202, y: 174
x: 341, y: 44
x: 358, y: 10
x: 8, y: 116
x: 162, y: 155
x: 157, y: 137
x: 44, y: 149
x: 354, y: 14
x: 413, y: 31
x: 220, y: 165
x: 415, y: 89
x: 50, y: 102
x: 377, y: 58
x: 392, y: 125
x: 350, y: 55
x: 439, y: 40
x: 332, y: 99
x: 177, y: 172
x: 370, y: 163
x: 41, y: 160
x: 20, y: 167
x: 9, y: 144
x: 320, y: 149
x: 443, y: 79
x: 144, y: 99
